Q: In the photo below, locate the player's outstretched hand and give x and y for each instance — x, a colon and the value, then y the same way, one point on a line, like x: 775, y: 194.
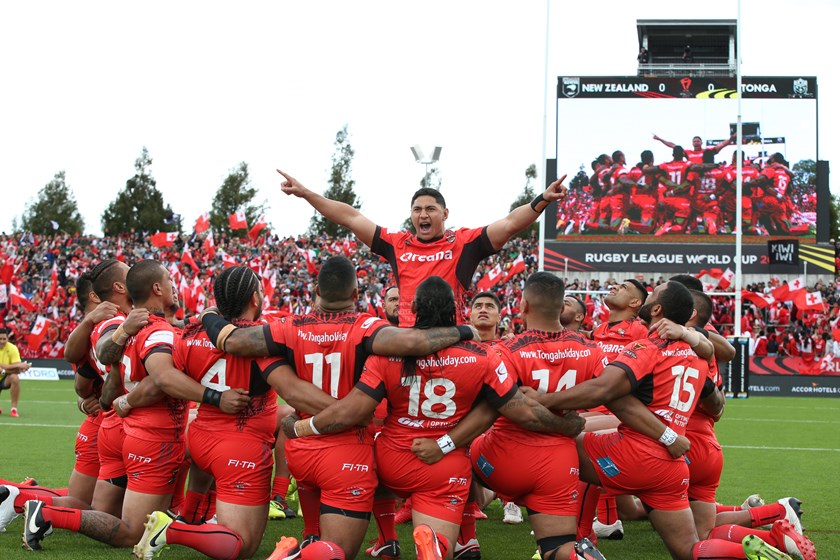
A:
x: 556, y: 190
x: 104, y: 311
x: 680, y: 447
x: 427, y: 450
x: 234, y: 401
x: 290, y: 185
x: 137, y: 319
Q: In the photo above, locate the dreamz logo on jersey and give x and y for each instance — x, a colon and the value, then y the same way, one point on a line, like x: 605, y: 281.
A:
x: 439, y: 256
x: 501, y: 371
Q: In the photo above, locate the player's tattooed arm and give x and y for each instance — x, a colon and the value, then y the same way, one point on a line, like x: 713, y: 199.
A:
x: 533, y: 416
x: 610, y: 385
x: 301, y: 395
x: 393, y: 341
x: 637, y: 416
x: 247, y: 342
x: 354, y: 409
x: 78, y: 343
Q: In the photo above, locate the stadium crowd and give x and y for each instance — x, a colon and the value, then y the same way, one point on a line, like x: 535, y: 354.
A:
x: 39, y: 273
x: 644, y: 386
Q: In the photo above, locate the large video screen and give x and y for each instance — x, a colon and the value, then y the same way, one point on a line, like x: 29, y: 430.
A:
x: 653, y: 159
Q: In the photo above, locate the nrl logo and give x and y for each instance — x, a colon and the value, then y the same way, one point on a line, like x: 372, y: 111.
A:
x: 571, y: 86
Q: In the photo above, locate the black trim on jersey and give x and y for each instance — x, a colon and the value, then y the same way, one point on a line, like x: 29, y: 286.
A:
x: 87, y: 371
x: 497, y: 401
x: 536, y: 336
x: 709, y: 387
x: 474, y: 252
x: 385, y: 250
x: 157, y: 350
x: 641, y: 389
x: 376, y: 393
x: 274, y: 348
x: 267, y: 370
x: 110, y: 328
x: 702, y: 331
x: 256, y: 384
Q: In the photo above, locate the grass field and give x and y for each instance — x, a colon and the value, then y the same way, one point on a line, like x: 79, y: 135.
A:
x: 774, y: 446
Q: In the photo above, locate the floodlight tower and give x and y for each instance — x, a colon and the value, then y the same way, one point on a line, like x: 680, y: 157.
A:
x: 421, y: 157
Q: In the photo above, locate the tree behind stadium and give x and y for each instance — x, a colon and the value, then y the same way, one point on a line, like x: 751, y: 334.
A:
x: 525, y: 197
x: 55, y: 203
x: 235, y: 193
x: 340, y: 186
x: 139, y: 206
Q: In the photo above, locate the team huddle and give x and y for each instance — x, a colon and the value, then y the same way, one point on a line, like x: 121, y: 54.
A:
x: 427, y: 405
x: 689, y: 194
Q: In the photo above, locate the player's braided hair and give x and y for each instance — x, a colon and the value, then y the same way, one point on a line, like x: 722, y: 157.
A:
x: 103, y: 277
x: 232, y: 290
x: 434, y: 305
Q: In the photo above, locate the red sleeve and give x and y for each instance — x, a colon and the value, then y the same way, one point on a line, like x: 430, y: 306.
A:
x: 156, y: 341
x: 637, y: 360
x: 499, y: 384
x: 372, y: 381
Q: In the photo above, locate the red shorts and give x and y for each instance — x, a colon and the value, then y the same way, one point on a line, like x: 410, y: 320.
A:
x: 87, y: 452
x: 625, y: 466
x: 547, y: 482
x: 152, y: 466
x: 438, y: 490
x: 345, y: 473
x: 705, y: 465
x: 241, y: 464
x: 110, y: 444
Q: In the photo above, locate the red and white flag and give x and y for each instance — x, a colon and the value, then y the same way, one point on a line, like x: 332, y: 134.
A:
x: 237, y: 220
x: 202, y: 223
x: 254, y: 232
x: 227, y: 260
x: 53, y: 284
x: 516, y: 267
x: 809, y: 301
x: 786, y: 292
x: 726, y: 279
x: 309, y: 257
x: 187, y: 258
x: 493, y: 277
x: 17, y: 298
x: 39, y: 331
x: 163, y: 238
x: 210, y: 246
x: 760, y: 300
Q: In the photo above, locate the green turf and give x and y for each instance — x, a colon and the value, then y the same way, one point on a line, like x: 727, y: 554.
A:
x: 774, y: 446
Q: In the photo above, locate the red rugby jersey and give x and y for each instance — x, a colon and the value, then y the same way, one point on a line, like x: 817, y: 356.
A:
x: 454, y: 257
x: 109, y: 418
x: 196, y: 356
x: 611, y: 338
x: 549, y: 362
x: 327, y: 350
x: 439, y: 392
x: 166, y: 419
x: 667, y: 377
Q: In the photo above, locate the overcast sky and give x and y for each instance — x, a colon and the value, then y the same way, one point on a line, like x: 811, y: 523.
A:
x: 206, y: 85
